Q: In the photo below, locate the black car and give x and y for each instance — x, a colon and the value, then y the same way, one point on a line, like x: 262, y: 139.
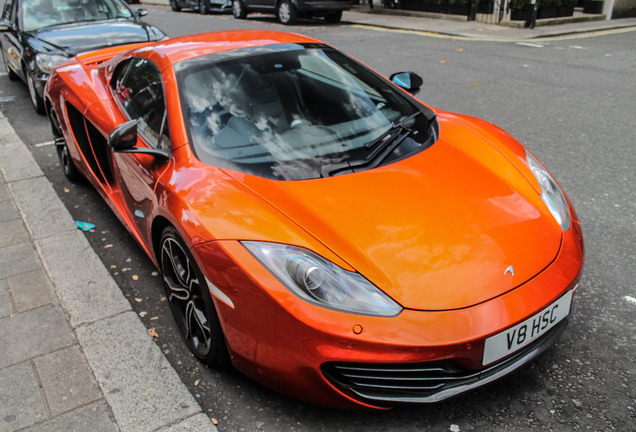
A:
x: 203, y: 6
x: 288, y: 11
x: 36, y: 35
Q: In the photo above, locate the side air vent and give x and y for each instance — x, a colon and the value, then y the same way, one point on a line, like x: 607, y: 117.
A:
x: 92, y: 144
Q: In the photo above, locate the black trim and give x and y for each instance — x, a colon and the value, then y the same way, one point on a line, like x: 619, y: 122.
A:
x: 391, y: 384
x: 91, y: 144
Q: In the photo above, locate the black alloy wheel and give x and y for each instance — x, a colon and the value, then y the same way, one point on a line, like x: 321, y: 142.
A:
x: 203, y: 7
x: 36, y: 99
x: 238, y: 9
x: 287, y: 13
x: 174, y: 5
x: 190, y: 301
x: 68, y: 166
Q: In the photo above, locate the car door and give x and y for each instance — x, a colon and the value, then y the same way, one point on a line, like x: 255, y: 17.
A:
x: 11, y: 40
x: 138, y: 88
x: 269, y: 4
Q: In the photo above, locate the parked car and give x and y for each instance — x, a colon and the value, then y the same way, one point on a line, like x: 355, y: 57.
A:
x: 332, y: 236
x: 35, y: 35
x: 203, y: 6
x: 288, y: 11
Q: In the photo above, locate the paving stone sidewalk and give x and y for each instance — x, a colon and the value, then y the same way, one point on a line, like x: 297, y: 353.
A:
x: 73, y: 354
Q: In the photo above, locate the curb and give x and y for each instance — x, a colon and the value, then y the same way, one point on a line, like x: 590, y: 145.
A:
x: 142, y: 389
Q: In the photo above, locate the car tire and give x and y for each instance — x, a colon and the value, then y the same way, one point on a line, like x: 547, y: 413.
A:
x: 204, y: 8
x: 175, y: 6
x: 286, y: 13
x: 68, y: 166
x: 238, y: 9
x: 190, y: 300
x: 334, y: 17
x: 36, y: 99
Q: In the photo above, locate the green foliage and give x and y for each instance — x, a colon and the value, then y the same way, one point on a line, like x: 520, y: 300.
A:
x: 550, y: 3
x: 518, y: 4
x: 455, y: 2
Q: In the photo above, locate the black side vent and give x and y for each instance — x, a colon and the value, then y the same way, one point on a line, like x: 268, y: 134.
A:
x: 101, y: 150
x: 92, y: 144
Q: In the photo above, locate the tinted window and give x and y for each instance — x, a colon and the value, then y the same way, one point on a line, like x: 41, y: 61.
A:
x: 138, y: 87
x: 291, y: 112
x: 43, y: 13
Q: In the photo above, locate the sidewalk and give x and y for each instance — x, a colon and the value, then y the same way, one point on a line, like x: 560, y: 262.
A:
x: 477, y: 30
x: 74, y: 355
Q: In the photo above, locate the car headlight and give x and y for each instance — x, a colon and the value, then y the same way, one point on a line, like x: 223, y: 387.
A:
x: 321, y: 282
x: 46, y: 62
x: 551, y: 193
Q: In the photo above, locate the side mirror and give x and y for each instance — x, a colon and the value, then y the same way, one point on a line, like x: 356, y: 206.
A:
x: 142, y: 12
x: 409, y: 81
x: 124, y: 138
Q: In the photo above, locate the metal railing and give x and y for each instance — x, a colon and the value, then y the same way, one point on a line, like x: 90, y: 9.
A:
x: 487, y: 12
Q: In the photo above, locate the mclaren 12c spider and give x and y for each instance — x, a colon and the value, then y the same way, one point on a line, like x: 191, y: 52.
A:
x: 316, y: 225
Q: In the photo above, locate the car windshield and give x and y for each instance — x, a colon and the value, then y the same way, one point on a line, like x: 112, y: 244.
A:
x: 45, y: 13
x: 292, y: 112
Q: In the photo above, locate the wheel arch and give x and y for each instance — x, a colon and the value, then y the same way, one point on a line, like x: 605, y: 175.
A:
x: 159, y: 224
x: 56, y: 126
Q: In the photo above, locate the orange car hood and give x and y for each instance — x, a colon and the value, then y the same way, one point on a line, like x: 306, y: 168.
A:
x: 436, y: 231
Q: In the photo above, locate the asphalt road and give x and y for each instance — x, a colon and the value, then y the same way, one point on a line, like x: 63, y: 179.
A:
x: 571, y: 102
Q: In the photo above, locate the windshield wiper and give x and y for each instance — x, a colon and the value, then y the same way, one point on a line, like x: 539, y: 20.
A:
x: 394, y: 128
x: 382, y: 147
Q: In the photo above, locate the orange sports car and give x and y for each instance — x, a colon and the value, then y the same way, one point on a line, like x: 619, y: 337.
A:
x: 329, y: 234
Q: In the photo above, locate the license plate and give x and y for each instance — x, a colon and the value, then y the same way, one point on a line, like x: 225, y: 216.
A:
x: 514, y: 338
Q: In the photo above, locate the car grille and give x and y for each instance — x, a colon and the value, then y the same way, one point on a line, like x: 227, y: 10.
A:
x: 390, y: 384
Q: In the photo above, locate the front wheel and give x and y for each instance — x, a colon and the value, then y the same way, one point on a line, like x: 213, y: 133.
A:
x: 286, y: 13
x: 190, y: 301
x: 238, y: 9
x: 175, y: 6
x: 36, y: 99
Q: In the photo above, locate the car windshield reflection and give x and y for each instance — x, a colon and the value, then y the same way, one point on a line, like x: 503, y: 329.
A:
x: 46, y: 13
x: 285, y: 115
